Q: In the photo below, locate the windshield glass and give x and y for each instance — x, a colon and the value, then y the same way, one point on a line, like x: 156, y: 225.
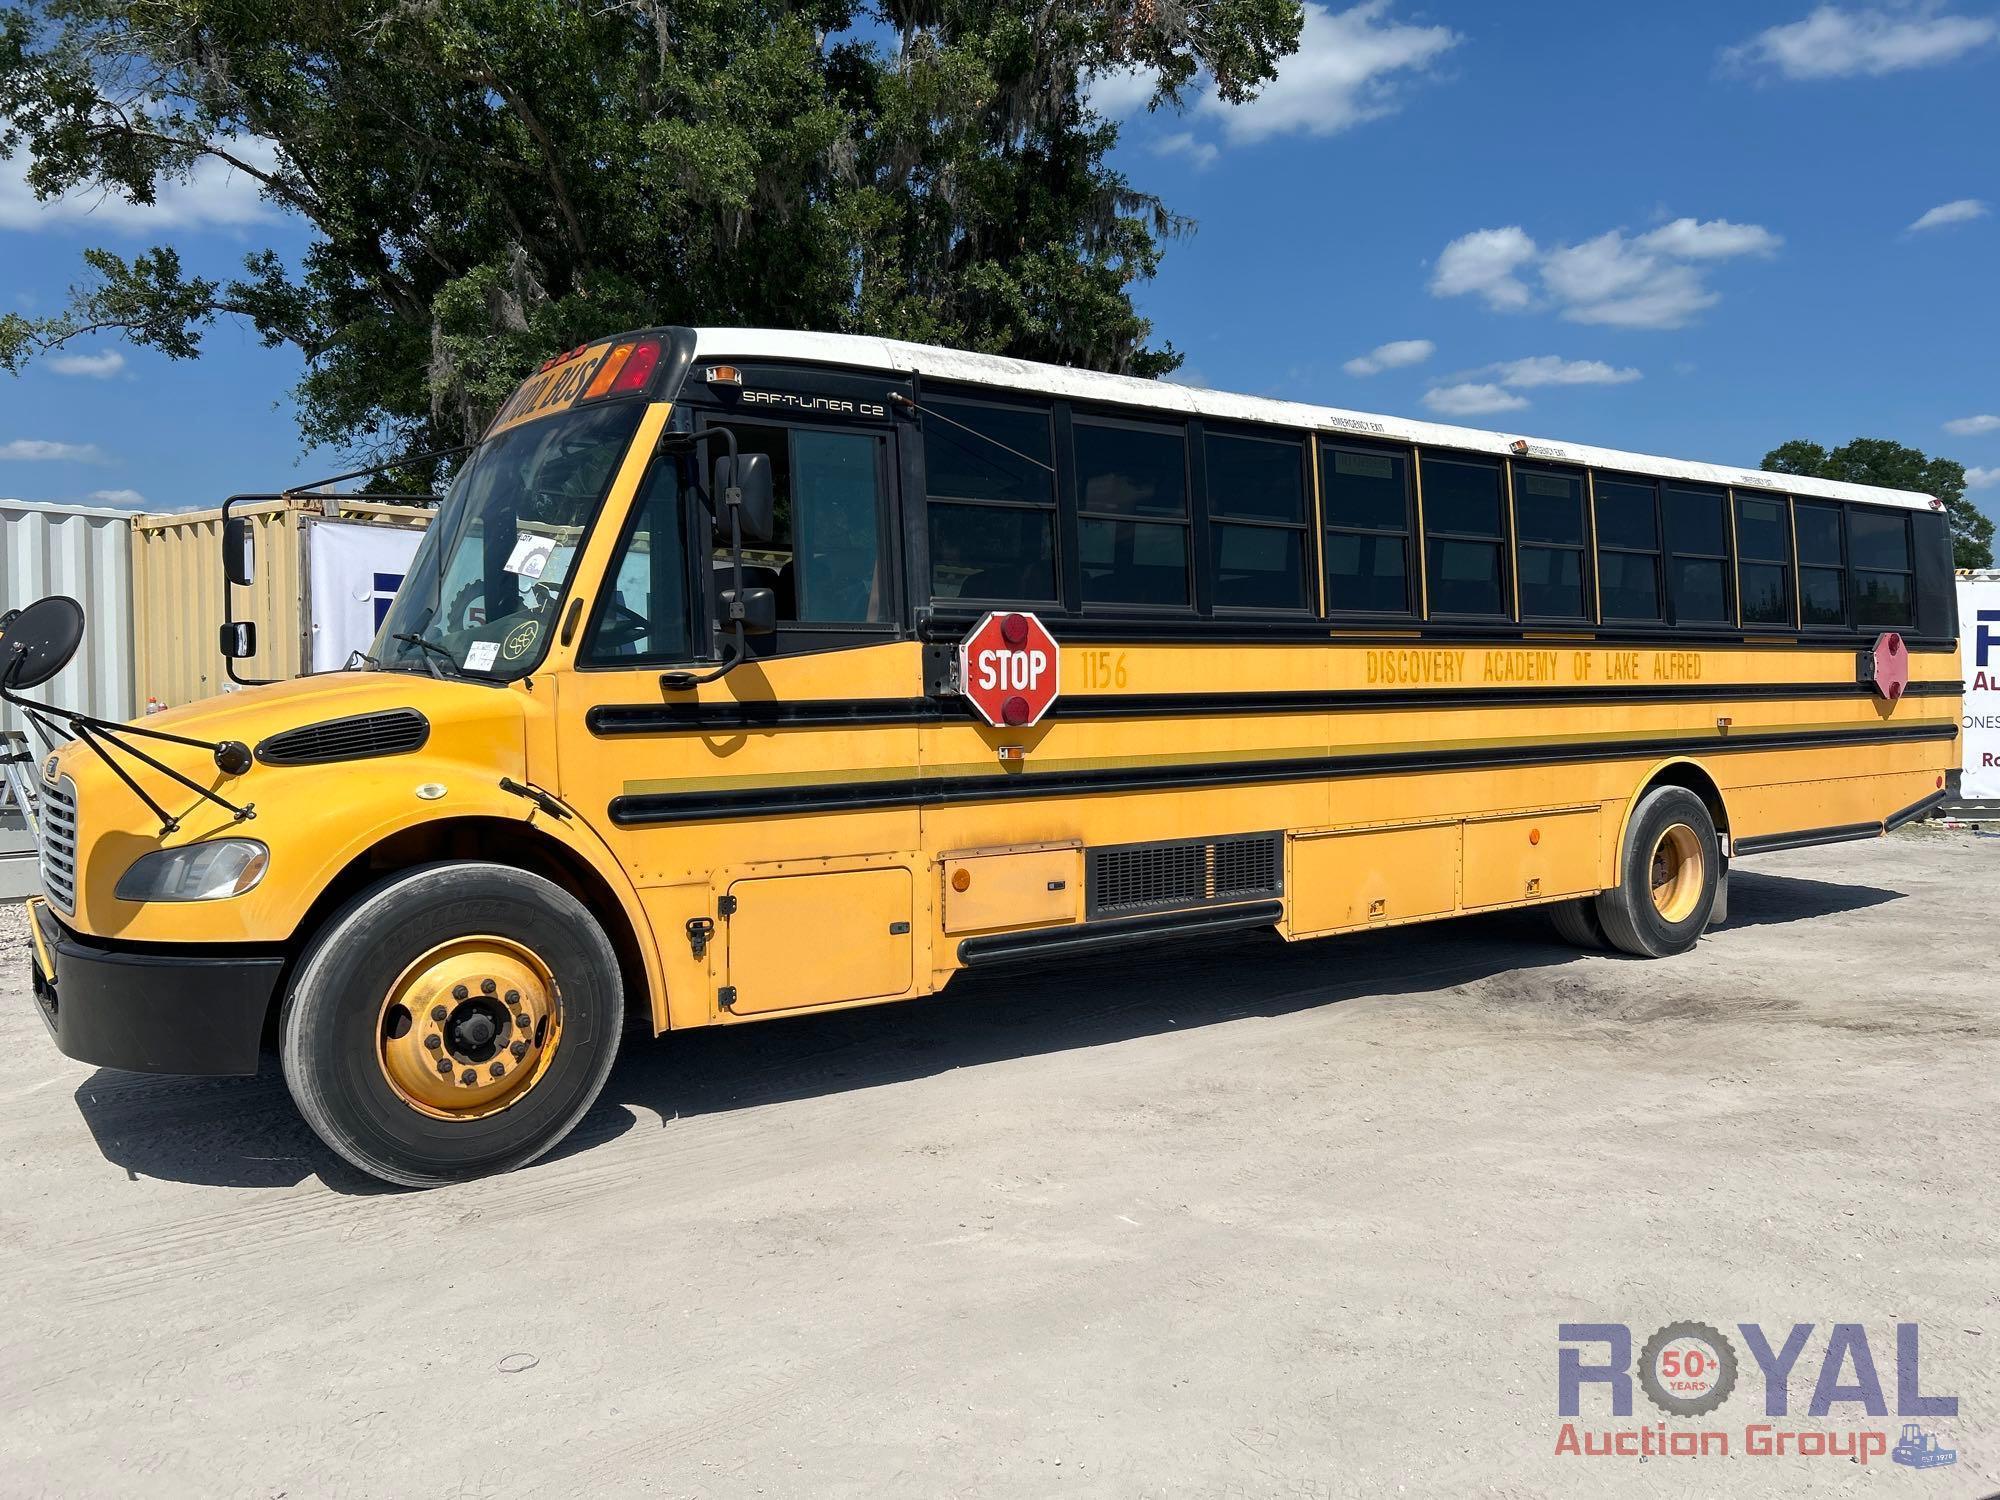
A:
x: 486, y: 581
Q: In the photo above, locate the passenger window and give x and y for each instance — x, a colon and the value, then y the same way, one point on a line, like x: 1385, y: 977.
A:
x: 1884, y: 580
x: 1548, y: 521
x: 990, y: 477
x: 1132, y: 512
x: 1257, y: 521
x: 1465, y: 538
x: 1822, y: 565
x: 644, y: 615
x: 1763, y: 559
x: 825, y: 562
x: 1365, y: 495
x: 1628, y: 549
x: 1698, y: 567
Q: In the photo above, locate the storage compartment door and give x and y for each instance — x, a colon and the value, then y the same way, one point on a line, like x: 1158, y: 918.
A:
x: 1534, y: 858
x: 1340, y: 881
x: 798, y: 940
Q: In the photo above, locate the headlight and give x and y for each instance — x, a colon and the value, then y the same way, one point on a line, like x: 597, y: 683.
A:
x: 196, y: 872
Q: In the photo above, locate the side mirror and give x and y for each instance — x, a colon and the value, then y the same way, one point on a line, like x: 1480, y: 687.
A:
x: 751, y: 473
x: 239, y: 639
x: 239, y: 552
x: 756, y: 608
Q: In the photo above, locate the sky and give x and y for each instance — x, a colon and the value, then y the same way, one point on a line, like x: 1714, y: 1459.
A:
x: 1697, y: 229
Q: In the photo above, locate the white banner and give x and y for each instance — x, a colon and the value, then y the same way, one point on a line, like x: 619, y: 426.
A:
x: 356, y: 570
x: 1979, y: 639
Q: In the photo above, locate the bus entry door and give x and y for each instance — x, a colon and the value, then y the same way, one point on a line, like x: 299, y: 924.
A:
x: 817, y: 939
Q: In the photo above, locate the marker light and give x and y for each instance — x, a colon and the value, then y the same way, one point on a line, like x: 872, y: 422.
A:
x: 724, y: 375
x: 607, y: 372
x: 209, y: 871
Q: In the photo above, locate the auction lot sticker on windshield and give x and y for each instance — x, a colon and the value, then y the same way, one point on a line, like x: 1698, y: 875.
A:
x: 480, y: 656
x: 530, y: 556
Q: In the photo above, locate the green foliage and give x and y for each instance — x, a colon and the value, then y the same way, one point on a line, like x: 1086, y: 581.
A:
x: 487, y: 181
x: 1895, y: 466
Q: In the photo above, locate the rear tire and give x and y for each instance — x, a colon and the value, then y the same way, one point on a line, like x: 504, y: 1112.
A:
x: 1576, y: 922
x: 402, y: 1040
x: 1667, y: 875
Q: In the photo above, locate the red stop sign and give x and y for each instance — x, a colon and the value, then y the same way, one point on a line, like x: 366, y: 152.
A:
x: 1009, y: 669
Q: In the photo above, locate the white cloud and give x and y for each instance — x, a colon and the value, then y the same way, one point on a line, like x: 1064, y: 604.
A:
x: 1958, y: 211
x: 1183, y: 143
x: 1982, y: 479
x: 1471, y: 399
x: 1484, y: 262
x: 214, y: 196
x: 1395, y: 355
x: 36, y: 450
x: 1653, y: 280
x: 1121, y: 91
x: 1549, y: 369
x: 118, y: 497
x: 98, y: 366
x: 1836, y: 43
x: 1347, y: 70
x: 1973, y: 426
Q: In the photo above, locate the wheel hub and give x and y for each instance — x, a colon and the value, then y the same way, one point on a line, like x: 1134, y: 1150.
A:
x: 469, y: 1027
x: 1677, y: 873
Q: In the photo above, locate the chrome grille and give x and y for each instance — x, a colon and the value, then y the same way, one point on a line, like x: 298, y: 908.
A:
x: 58, y: 813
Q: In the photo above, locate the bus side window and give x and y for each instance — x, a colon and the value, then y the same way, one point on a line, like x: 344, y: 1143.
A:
x: 989, y: 476
x: 643, y: 614
x: 1549, y: 528
x: 1465, y: 535
x: 1132, y: 511
x: 1764, y: 559
x: 1257, y: 521
x: 1698, y: 556
x: 1628, y: 549
x: 1884, y: 576
x: 1822, y: 565
x: 1366, y: 496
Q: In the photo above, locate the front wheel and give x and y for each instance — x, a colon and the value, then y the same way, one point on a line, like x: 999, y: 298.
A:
x: 1668, y: 870
x: 451, y: 1021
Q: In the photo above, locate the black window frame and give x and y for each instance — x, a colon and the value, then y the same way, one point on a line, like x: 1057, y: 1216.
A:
x: 1327, y: 446
x: 1583, y: 548
x: 1855, y: 570
x: 1731, y: 616
x: 1504, y: 541
x: 1202, y: 499
x: 1076, y: 514
x: 1047, y: 408
x: 1787, y: 565
x: 1843, y: 570
x: 1657, y: 553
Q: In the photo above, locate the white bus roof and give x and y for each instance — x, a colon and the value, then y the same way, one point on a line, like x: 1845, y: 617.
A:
x: 935, y: 363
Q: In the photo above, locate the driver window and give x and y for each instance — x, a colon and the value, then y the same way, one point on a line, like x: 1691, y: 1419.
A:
x: 825, y: 561
x: 643, y: 614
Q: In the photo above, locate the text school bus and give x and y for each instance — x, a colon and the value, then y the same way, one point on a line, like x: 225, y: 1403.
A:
x: 746, y: 674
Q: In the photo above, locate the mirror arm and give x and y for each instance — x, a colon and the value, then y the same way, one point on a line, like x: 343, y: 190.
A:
x: 732, y: 497
x: 229, y: 662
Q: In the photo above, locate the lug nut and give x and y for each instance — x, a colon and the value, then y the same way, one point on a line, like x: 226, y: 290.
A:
x: 487, y: 986
x: 468, y: 1076
x: 513, y: 997
x: 498, y: 1069
x: 522, y: 1020
x: 432, y: 1041
x: 519, y: 1049
x: 459, y: 992
x: 438, y: 1012
x: 444, y: 1065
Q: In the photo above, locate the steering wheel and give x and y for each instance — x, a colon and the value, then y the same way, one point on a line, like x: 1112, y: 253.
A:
x: 622, y: 627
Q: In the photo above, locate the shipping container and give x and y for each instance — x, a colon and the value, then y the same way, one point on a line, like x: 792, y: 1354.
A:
x: 326, y: 567
x: 83, y: 551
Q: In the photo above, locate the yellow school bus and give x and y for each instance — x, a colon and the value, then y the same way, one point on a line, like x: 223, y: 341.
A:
x: 747, y: 674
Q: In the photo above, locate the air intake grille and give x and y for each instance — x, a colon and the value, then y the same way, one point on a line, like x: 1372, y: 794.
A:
x: 58, y: 818
x: 396, y: 732
x: 1130, y: 878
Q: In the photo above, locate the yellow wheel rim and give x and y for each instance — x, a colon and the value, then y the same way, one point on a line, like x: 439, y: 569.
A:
x: 1677, y: 873
x: 469, y: 1028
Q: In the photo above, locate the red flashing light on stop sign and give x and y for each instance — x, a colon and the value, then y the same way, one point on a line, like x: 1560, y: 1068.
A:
x: 1009, y: 669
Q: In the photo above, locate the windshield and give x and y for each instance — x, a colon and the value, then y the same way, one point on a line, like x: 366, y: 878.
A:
x: 486, y: 581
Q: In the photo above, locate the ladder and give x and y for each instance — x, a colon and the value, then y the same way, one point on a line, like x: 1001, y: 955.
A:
x: 19, y: 761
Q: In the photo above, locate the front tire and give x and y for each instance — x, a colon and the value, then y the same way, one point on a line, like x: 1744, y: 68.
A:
x: 451, y: 1021
x: 1668, y: 870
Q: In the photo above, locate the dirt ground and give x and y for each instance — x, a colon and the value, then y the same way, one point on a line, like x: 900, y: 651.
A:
x: 1234, y: 1219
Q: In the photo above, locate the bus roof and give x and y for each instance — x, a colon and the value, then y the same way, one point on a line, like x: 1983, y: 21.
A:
x: 936, y: 363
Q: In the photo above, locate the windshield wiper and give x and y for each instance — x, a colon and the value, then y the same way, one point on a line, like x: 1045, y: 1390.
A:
x: 432, y: 651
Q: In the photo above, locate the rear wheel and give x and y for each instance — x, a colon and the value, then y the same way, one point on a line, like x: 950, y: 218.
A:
x: 1576, y: 922
x: 453, y: 1020
x: 1668, y: 870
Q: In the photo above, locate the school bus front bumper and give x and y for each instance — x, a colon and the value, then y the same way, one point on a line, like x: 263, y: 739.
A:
x: 150, y: 1007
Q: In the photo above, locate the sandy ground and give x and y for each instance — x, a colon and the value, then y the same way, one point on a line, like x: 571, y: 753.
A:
x: 1240, y: 1219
